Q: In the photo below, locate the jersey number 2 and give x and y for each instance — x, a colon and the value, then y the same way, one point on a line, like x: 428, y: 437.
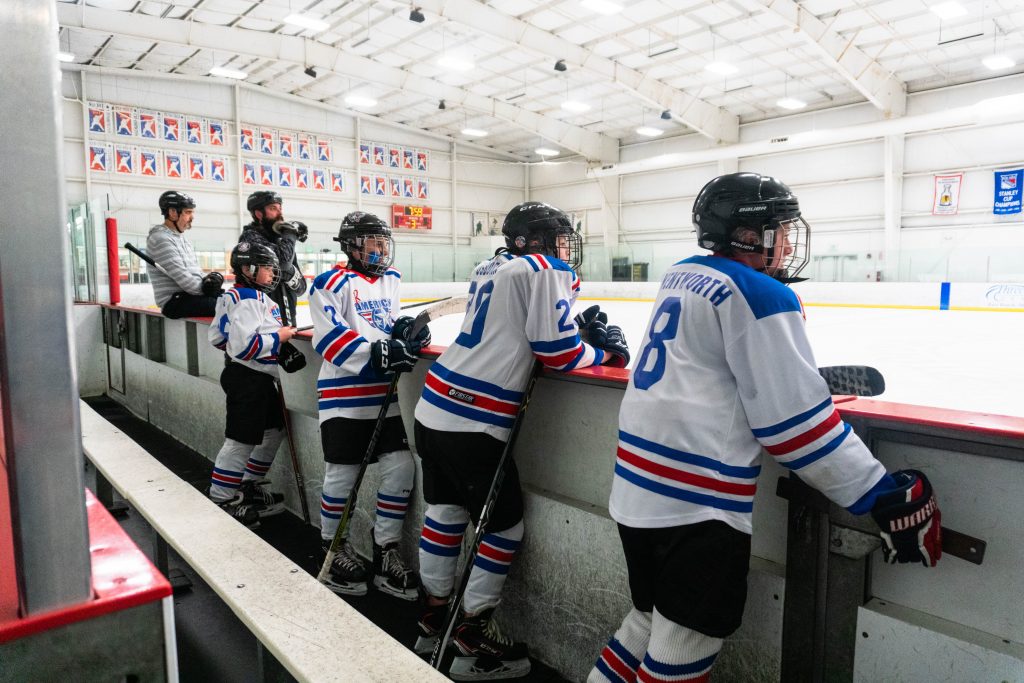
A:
x: 478, y: 303
x: 670, y: 309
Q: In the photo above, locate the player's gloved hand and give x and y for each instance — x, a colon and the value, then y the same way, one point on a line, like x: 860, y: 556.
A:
x: 296, y: 282
x: 615, y: 345
x: 403, y: 328
x: 212, y: 283
x: 289, y: 358
x: 393, y: 355
x: 586, y: 320
x: 302, y: 229
x: 910, y: 520
x: 285, y: 228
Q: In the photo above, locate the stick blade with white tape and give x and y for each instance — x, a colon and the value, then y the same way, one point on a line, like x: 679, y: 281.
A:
x: 853, y: 380
x: 455, y: 304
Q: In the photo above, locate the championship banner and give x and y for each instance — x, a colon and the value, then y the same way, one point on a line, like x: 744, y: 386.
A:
x: 364, y: 153
x: 173, y: 163
x: 422, y: 159
x: 380, y: 185
x: 396, y: 185
x: 194, y: 131
x: 408, y: 188
x: 411, y: 217
x: 323, y: 149
x: 394, y: 157
x: 249, y: 173
x: 148, y: 127
x: 98, y: 116
x: 305, y: 146
x: 319, y: 179
x: 196, y: 167
x: 124, y: 160
x: 946, y: 200
x: 216, y: 131
x: 423, y: 189
x: 378, y: 155
x: 408, y: 159
x: 284, y: 144
x: 124, y: 122
x: 1007, y: 199
x: 266, y: 141
x: 337, y: 181
x: 284, y: 175
x: 301, y: 177
x: 365, y: 185
x: 267, y: 174
x: 247, y: 139
x: 171, y: 127
x: 218, y: 169
x: 99, y: 158
x: 149, y: 162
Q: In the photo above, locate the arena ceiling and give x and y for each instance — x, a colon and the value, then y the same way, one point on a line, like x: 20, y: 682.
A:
x: 675, y: 66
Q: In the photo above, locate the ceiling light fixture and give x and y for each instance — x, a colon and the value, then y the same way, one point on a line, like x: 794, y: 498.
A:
x: 649, y: 131
x: 721, y: 68
x: 225, y: 72
x: 310, y: 71
x: 416, y: 15
x: 560, y: 65
x: 441, y: 105
x: 948, y: 10
x: 307, y: 22
x: 790, y: 103
x: 474, y: 133
x: 546, y: 152
x: 605, y: 7
x: 666, y: 115
x: 455, y: 63
x: 360, y: 101
x: 65, y: 57
x: 998, y: 62
x: 575, y: 106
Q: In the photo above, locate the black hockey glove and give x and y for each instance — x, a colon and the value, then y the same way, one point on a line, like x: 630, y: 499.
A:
x: 910, y: 520
x: 403, y: 328
x: 302, y: 229
x: 212, y: 283
x: 587, y: 320
x: 285, y: 228
x: 290, y: 358
x: 615, y: 345
x: 393, y: 355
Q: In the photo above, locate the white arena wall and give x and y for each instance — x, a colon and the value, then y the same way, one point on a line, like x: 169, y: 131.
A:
x: 567, y: 592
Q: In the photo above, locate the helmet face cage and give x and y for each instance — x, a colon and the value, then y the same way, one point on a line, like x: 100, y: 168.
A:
x: 370, y: 252
x: 247, y: 259
x: 536, y: 227
x: 786, y: 247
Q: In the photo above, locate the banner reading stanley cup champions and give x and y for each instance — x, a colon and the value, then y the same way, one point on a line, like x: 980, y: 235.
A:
x: 1007, y: 197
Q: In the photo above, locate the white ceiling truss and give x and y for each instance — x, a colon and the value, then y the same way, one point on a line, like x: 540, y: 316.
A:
x: 644, y: 66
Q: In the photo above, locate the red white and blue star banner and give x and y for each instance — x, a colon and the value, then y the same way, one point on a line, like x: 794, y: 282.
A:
x: 1007, y: 192
x: 150, y: 162
x: 99, y: 117
x: 946, y: 201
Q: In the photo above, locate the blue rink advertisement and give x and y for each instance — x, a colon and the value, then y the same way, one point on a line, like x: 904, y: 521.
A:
x: 1007, y: 198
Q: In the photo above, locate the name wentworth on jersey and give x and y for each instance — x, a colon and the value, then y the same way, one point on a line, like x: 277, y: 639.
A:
x: 712, y: 289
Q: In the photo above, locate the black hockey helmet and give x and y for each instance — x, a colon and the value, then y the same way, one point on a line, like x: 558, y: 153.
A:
x: 367, y: 240
x: 535, y: 227
x: 261, y: 198
x: 247, y: 257
x: 744, y: 212
x: 172, y: 199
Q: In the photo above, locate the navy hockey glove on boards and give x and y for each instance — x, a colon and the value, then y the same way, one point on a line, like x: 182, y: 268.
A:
x: 403, y: 328
x: 910, y: 520
x: 211, y: 284
x: 393, y: 355
x: 609, y: 338
x: 587, y: 320
x: 615, y: 344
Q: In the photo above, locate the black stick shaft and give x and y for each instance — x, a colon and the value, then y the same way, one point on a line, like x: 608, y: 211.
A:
x: 145, y: 257
x: 481, y: 526
x: 300, y: 482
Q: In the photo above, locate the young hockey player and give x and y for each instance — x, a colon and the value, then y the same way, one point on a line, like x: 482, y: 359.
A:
x: 354, y: 312
x: 519, y: 312
x: 247, y: 327
x: 726, y: 371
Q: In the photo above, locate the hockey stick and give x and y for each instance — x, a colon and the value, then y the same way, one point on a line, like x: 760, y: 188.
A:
x: 481, y: 526
x: 300, y: 482
x: 445, y: 307
x: 306, y: 328
x: 145, y: 257
x: 853, y: 380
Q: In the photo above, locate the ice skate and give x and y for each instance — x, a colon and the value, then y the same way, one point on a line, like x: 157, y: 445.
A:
x: 262, y: 499
x: 485, y: 654
x: 390, y: 575
x: 430, y: 624
x: 347, y: 575
x: 240, y: 510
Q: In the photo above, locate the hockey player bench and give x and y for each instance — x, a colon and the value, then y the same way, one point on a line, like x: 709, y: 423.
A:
x: 271, y: 595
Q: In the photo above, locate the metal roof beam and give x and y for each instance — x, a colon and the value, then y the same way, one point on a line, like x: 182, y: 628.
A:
x: 296, y: 50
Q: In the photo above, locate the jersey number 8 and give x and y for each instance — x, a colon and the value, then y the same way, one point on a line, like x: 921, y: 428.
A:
x: 670, y: 309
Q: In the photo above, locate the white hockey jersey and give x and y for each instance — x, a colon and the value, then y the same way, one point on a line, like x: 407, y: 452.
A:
x: 245, y: 325
x: 519, y: 309
x: 349, y: 311
x: 726, y: 370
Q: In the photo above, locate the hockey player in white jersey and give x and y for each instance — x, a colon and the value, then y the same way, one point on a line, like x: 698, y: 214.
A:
x: 519, y: 311
x: 363, y: 341
x: 247, y: 327
x: 725, y: 372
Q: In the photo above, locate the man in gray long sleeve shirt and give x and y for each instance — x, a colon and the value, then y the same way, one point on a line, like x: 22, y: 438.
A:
x: 179, y: 286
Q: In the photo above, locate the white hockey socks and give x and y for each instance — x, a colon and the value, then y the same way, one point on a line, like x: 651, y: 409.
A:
x: 440, y: 544
x: 677, y: 653
x: 228, y: 469
x: 262, y: 457
x: 397, y: 472
x: 621, y: 657
x: 490, y: 569
x: 338, y: 480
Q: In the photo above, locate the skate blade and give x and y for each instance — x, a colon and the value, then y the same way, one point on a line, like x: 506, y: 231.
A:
x: 381, y: 584
x: 425, y: 646
x: 271, y: 510
x: 487, y: 669
x: 354, y: 589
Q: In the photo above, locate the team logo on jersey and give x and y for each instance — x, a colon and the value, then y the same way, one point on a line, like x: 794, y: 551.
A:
x: 377, y: 312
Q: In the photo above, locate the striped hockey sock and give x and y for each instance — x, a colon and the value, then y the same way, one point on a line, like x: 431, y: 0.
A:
x: 228, y: 470
x: 677, y: 653
x: 262, y: 457
x: 397, y: 472
x: 490, y: 568
x: 440, y: 543
x: 338, y: 480
x: 621, y: 657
